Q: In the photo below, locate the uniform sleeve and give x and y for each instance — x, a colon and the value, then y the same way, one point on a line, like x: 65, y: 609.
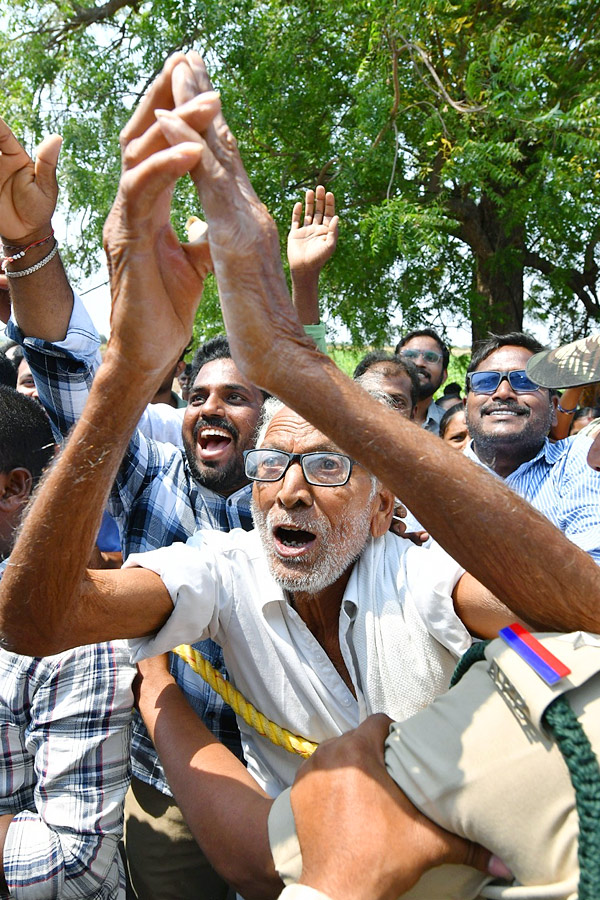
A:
x: 79, y: 736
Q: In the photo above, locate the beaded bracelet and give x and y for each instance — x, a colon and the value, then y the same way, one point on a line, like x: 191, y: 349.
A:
x: 38, y: 265
x: 22, y: 251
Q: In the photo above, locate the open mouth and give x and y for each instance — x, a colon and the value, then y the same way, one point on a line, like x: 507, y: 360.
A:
x: 292, y: 541
x: 213, y: 442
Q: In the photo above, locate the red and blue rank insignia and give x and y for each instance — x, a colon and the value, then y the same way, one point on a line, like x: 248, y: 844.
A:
x: 531, y: 651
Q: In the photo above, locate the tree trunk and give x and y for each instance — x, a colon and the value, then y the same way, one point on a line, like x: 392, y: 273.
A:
x: 498, y: 303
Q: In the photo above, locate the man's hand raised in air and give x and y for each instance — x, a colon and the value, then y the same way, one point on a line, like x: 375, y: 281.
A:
x: 312, y: 240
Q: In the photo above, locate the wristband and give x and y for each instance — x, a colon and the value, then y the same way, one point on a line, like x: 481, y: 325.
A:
x: 567, y: 412
x: 22, y: 251
x: 39, y: 265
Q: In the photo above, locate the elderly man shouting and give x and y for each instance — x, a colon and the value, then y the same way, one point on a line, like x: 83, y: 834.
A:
x: 345, y: 618
x: 289, y: 612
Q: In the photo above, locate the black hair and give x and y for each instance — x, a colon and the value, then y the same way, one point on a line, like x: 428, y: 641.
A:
x: 215, y: 348
x: 396, y: 362
x: 452, y: 389
x: 8, y: 373
x: 448, y: 416
x: 26, y: 439
x: 431, y: 333
x: 494, y: 342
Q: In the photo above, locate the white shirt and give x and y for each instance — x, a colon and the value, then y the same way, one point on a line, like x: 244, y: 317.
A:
x: 399, y: 636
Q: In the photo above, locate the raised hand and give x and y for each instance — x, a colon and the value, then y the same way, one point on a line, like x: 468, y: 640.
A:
x: 313, y: 238
x: 243, y: 239
x: 28, y: 188
x: 156, y: 281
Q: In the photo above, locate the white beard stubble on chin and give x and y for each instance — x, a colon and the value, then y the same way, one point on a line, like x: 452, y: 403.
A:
x: 340, y: 547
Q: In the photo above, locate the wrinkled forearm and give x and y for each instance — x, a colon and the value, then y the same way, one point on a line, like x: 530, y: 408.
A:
x: 462, y: 506
x: 48, y: 564
x: 216, y: 793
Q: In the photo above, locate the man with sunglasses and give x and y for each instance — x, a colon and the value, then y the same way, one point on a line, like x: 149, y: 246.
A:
x: 509, y: 417
x: 427, y: 351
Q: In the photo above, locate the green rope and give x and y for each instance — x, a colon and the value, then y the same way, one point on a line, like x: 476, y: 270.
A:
x: 474, y: 654
x: 584, y: 772
x: 585, y: 777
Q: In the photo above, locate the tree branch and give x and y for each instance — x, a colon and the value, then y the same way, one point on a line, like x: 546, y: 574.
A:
x: 583, y: 284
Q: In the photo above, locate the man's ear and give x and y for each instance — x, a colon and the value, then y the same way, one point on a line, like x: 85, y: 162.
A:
x: 553, y: 404
x: 15, y: 489
x: 384, y: 510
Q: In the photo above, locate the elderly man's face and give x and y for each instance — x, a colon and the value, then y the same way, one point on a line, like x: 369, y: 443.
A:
x: 311, y: 533
x: 506, y: 416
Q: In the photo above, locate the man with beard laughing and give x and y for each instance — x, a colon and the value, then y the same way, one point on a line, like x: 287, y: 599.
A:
x: 509, y: 417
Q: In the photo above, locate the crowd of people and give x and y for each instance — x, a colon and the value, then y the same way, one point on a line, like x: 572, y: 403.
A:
x: 230, y: 620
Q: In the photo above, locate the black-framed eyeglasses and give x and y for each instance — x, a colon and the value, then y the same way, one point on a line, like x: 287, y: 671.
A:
x: 322, y: 467
x: 488, y: 382
x: 430, y: 356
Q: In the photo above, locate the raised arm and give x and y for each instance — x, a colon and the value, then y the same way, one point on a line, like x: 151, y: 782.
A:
x: 516, y: 553
x: 312, y: 240
x: 42, y: 300
x: 156, y: 280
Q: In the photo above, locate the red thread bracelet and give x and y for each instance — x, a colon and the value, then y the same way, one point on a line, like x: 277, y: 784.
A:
x: 11, y: 259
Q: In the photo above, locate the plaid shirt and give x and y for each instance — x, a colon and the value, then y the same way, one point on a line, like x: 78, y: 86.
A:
x: 155, y: 502
x: 65, y: 727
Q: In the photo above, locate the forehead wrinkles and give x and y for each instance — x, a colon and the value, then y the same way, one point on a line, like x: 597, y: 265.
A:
x: 287, y: 430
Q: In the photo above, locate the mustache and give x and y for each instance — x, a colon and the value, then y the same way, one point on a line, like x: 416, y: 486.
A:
x: 215, y: 422
x: 509, y: 405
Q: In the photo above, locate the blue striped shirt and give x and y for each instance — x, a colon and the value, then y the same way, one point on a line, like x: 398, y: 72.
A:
x: 559, y: 483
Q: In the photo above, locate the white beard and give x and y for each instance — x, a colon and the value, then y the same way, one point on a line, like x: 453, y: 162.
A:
x: 340, y: 548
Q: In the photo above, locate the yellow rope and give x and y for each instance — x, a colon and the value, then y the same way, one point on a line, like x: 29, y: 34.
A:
x: 249, y: 713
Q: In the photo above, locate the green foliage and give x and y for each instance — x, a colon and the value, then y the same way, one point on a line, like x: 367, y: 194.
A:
x: 462, y: 138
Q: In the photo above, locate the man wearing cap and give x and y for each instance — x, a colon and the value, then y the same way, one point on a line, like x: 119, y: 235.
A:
x: 509, y: 416
x: 573, y: 365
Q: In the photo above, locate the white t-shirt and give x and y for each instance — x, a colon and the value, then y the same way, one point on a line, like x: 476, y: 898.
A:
x: 399, y: 636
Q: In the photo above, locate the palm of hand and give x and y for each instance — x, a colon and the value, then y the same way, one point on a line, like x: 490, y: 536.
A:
x: 310, y: 245
x: 28, y: 190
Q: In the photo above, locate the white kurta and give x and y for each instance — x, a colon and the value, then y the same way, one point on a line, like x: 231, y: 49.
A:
x: 399, y: 636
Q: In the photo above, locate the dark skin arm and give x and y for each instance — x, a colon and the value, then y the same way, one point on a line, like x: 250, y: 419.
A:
x: 154, y: 279
x: 347, y: 782
x: 42, y: 302
x: 533, y: 568
x: 214, y: 790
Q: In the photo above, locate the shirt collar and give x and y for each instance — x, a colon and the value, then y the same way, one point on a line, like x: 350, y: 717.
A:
x: 549, y: 452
